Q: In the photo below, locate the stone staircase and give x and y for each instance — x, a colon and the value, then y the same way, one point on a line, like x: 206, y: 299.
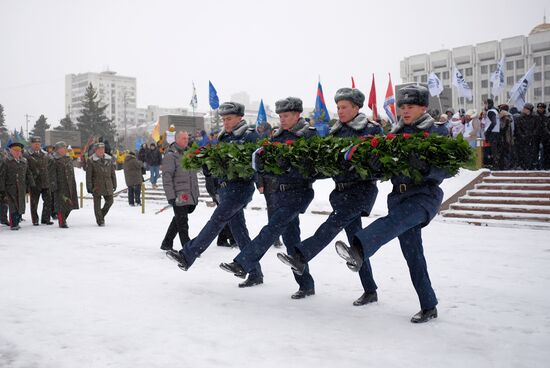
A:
x: 518, y: 199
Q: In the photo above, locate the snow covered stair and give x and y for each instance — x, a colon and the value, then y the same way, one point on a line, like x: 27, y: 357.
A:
x: 507, y: 199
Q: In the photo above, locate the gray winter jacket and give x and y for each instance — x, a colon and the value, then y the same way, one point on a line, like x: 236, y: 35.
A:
x: 179, y: 184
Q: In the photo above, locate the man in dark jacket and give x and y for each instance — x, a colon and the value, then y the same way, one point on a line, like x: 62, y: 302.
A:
x: 182, y: 191
x: 545, y: 135
x: 133, y: 177
x: 411, y: 206
x: 101, y: 181
x: 527, y: 131
x: 40, y: 165
x: 154, y: 160
x: 234, y: 196
x: 287, y: 196
x: 63, y: 184
x: 15, y: 178
x: 351, y: 198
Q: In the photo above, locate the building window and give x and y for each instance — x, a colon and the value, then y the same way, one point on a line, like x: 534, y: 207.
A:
x: 484, y: 97
x: 493, y: 67
x: 538, y: 92
x: 445, y: 75
x: 547, y: 60
x: 424, y: 78
x: 537, y: 60
x: 538, y: 76
x: 547, y: 75
x: 520, y: 63
x: 484, y: 69
x: 510, y: 81
x: 509, y: 65
x: 471, y: 85
x: 438, y: 75
x: 468, y: 72
x: 547, y: 91
x: 484, y: 83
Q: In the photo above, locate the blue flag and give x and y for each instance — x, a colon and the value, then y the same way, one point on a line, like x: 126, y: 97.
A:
x: 213, y: 96
x: 320, y: 114
x: 262, y: 116
x: 139, y: 143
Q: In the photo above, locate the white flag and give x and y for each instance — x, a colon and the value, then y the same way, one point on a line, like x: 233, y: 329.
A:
x: 497, y: 79
x: 519, y: 90
x: 462, y: 86
x: 194, y: 101
x: 434, y: 85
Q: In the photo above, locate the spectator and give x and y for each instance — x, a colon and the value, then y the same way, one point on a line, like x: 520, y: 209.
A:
x: 132, y: 175
x: 154, y: 160
x: 471, y: 127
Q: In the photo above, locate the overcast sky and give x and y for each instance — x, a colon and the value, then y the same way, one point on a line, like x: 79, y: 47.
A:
x: 271, y: 49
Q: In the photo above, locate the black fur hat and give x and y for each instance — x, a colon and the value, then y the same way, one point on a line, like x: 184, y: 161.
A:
x: 413, y: 95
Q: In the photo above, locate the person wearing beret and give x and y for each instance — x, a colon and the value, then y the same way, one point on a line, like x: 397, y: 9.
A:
x: 234, y: 196
x: 40, y: 164
x: 101, y: 181
x: 287, y: 196
x: 63, y: 184
x: 15, y: 178
x: 411, y: 206
x: 351, y: 198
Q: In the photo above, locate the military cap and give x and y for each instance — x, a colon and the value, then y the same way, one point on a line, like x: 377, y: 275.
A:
x: 350, y: 94
x: 413, y: 95
x: 99, y: 145
x: 60, y: 144
x: 231, y: 108
x: 36, y: 139
x: 288, y: 104
x: 15, y: 144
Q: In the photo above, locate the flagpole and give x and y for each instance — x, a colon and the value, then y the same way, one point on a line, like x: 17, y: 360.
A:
x: 440, y: 106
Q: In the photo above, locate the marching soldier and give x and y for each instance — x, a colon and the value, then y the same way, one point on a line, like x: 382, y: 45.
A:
x: 15, y: 177
x: 40, y: 165
x: 63, y: 184
x: 287, y: 195
x: 411, y: 206
x: 101, y: 181
x: 351, y: 198
x: 234, y: 196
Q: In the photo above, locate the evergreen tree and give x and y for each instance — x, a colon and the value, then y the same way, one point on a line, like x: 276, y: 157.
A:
x: 40, y: 128
x: 4, y: 133
x: 66, y: 124
x: 92, y: 122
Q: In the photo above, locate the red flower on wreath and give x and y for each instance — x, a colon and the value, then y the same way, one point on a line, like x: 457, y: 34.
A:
x: 289, y: 141
x: 184, y: 197
x: 390, y: 136
x: 190, y: 155
x: 276, y: 143
x: 426, y: 134
x: 197, y: 151
x: 406, y: 135
x: 265, y: 144
x: 374, y: 143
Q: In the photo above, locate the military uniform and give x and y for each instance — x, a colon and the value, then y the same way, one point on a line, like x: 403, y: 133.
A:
x: 234, y: 196
x: 101, y: 182
x: 15, y: 178
x: 40, y: 165
x: 63, y: 185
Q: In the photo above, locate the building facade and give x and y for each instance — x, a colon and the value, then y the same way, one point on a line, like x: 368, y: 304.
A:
x: 477, y: 63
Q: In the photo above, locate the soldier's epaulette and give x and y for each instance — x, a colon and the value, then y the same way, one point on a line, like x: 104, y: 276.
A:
x: 312, y: 128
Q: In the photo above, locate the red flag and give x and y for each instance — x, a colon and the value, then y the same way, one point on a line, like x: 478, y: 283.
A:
x: 372, y: 100
x: 352, y: 82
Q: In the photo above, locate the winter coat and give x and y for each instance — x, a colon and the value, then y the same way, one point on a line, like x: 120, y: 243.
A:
x: 63, y: 184
x: 100, y: 175
x: 142, y: 154
x: 359, y: 126
x: 179, y: 184
x: 132, y: 171
x: 241, y: 133
x: 40, y: 165
x: 506, y: 122
x: 527, y: 128
x: 441, y: 129
x: 154, y: 157
x: 15, y: 179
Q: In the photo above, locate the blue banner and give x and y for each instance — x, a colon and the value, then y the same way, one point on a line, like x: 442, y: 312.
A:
x: 213, y: 96
x: 262, y: 116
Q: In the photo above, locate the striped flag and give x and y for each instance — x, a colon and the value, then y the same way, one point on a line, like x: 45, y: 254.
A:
x: 389, y: 103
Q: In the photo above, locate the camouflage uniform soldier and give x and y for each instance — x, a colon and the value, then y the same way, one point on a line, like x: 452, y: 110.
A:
x: 63, y: 184
x: 101, y: 181
x: 40, y: 163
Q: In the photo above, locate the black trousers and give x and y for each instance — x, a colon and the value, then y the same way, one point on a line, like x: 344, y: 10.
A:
x: 178, y: 225
x: 46, y: 204
x: 134, y: 194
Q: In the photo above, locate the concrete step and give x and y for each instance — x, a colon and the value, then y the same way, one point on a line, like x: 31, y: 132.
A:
x: 508, y: 193
x: 496, y: 223
x: 516, y: 180
x: 498, y: 186
x: 497, y: 215
x: 532, y: 201
x: 545, y: 173
x: 501, y: 208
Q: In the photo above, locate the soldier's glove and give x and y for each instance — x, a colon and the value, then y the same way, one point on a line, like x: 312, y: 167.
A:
x: 416, y: 163
x: 205, y: 170
x: 172, y: 201
x: 374, y: 163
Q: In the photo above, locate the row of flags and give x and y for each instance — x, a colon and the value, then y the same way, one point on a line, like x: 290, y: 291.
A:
x: 517, y: 93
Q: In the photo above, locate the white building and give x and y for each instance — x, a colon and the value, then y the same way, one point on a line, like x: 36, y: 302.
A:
x: 118, y: 92
x: 478, y: 62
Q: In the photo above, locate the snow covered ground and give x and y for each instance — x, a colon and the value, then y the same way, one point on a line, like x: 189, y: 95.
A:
x: 108, y: 297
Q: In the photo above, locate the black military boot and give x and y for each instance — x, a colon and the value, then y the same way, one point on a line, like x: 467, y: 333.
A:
x: 366, y: 298
x: 252, y: 281
x: 46, y: 222
x: 166, y: 246
x: 301, y: 293
x: 278, y: 243
x: 424, y: 315
x: 179, y: 258
x: 298, y: 267
x: 352, y: 255
x: 234, y: 268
